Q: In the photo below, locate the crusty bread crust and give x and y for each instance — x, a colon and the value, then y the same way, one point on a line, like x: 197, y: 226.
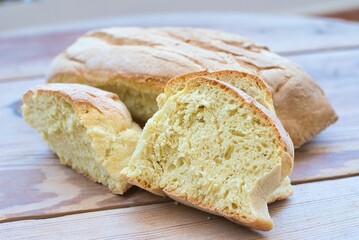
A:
x: 221, y: 75
x: 258, y: 223
x: 155, y: 190
x: 142, y: 60
x: 80, y: 95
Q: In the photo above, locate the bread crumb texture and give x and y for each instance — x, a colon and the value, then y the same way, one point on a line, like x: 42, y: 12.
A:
x: 213, y: 147
x: 89, y: 129
x: 253, y: 85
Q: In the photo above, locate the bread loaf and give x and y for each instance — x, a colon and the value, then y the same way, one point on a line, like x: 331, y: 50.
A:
x: 89, y: 129
x: 213, y: 147
x: 248, y: 83
x: 136, y: 64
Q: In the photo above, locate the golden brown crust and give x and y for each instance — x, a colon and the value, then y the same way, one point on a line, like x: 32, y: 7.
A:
x: 227, y: 76
x: 244, y: 220
x: 217, y: 75
x: 250, y: 222
x: 157, y: 190
x: 81, y: 95
x: 146, y: 58
x: 255, y: 78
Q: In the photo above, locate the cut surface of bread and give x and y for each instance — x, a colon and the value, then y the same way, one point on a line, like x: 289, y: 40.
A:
x: 214, y: 147
x: 89, y: 129
x: 248, y: 83
x: 136, y: 64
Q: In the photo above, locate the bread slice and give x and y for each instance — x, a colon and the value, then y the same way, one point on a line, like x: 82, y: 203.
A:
x: 89, y: 129
x: 253, y: 85
x: 136, y: 64
x: 214, y: 147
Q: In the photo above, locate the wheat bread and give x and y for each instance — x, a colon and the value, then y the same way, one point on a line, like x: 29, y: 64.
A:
x: 253, y: 85
x: 214, y: 147
x: 136, y: 64
x: 89, y: 129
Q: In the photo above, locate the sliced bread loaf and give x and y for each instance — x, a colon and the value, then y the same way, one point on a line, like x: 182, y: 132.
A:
x: 253, y: 85
x: 136, y: 64
x: 214, y: 147
x: 89, y: 129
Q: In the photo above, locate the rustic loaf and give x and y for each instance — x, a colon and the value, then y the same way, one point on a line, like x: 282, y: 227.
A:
x: 248, y: 83
x: 89, y: 129
x: 136, y: 64
x: 213, y: 147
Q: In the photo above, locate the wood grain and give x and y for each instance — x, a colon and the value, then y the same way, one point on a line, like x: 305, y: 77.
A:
x: 35, y: 185
x: 32, y: 181
x: 350, y: 14
x: 320, y: 210
x: 336, y: 148
x: 29, y: 53
x: 332, y: 154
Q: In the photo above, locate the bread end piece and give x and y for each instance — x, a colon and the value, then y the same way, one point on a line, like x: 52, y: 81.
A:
x: 89, y: 129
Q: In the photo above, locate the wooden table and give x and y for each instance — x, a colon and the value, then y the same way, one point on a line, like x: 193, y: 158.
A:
x: 39, y: 198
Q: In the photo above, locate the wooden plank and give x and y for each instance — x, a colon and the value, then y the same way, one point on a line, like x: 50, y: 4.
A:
x: 29, y: 53
x: 329, y: 67
x: 320, y: 210
x: 336, y: 148
x: 349, y: 14
x: 334, y: 153
x: 34, y: 183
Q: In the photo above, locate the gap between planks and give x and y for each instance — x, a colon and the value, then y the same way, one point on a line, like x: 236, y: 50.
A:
x: 326, y: 178
x: 62, y: 214
x: 318, y: 51
x: 320, y: 210
x: 164, y: 200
